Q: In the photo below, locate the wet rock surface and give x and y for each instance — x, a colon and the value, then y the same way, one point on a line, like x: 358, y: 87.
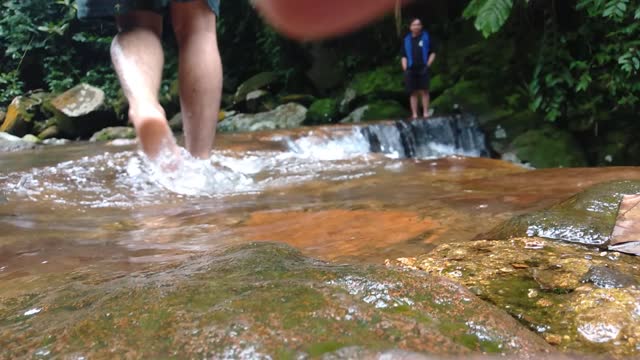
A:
x: 10, y: 143
x: 577, y: 298
x: 253, y: 301
x: 587, y: 218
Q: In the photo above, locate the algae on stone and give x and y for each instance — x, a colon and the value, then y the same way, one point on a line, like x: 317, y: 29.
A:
x: 322, y: 111
x: 549, y: 147
x: 258, y: 300
x: 557, y: 289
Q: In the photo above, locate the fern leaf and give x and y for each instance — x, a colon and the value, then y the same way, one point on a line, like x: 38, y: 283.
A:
x: 492, y: 15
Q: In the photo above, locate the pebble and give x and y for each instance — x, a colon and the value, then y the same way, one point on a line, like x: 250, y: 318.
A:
x: 553, y: 339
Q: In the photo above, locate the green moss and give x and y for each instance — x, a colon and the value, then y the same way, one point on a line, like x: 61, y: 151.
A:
x: 469, y: 95
x: 385, y: 110
x: 549, y: 147
x: 379, y: 83
x: 324, y: 347
x: 322, y: 111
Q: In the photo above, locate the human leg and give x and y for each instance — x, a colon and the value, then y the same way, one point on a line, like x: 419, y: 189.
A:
x: 414, y: 105
x: 425, y: 102
x: 200, y: 73
x: 138, y: 58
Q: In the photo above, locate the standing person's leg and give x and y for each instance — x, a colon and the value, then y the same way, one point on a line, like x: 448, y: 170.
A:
x: 138, y: 58
x: 200, y: 73
x: 414, y: 105
x: 425, y: 102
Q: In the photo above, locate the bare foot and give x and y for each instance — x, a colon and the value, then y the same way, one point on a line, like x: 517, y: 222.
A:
x: 156, y: 138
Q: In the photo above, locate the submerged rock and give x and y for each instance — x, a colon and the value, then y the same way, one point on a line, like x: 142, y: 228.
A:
x: 256, y: 301
x: 283, y: 117
x: 587, y: 218
x: 577, y: 298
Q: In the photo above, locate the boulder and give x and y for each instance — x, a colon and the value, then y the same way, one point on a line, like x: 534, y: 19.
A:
x: 257, y: 82
x: 587, y: 218
x: 345, y: 103
x: 21, y: 115
x: 49, y: 133
x: 302, y: 99
x: 257, y: 301
x: 283, y: 117
x: 31, y: 138
x: 257, y: 101
x: 114, y: 133
x: 10, y: 143
x: 176, y: 123
x: 81, y: 111
x: 381, y: 83
x: 322, y: 111
x: 466, y: 96
x: 579, y: 299
x: 379, y: 110
x: 548, y: 147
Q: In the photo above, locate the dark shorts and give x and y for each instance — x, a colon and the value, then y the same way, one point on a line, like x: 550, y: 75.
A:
x: 110, y: 8
x: 417, y: 79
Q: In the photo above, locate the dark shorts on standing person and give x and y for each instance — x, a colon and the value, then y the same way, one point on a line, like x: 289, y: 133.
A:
x: 109, y: 8
x: 417, y: 79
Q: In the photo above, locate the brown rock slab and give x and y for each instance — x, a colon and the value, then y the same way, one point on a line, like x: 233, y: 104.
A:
x: 347, y: 232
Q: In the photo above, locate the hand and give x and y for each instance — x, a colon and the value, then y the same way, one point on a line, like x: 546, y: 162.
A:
x: 316, y: 19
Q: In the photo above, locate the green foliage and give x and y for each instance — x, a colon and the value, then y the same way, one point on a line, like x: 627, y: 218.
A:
x: 490, y: 15
x: 587, y: 62
x: 45, y: 46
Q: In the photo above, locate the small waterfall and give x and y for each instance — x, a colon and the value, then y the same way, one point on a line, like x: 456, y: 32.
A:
x: 432, y: 138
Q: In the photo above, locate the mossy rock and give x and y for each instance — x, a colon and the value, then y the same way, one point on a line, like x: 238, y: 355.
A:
x: 385, y: 110
x: 302, y: 99
x: 586, y: 218
x: 381, y: 83
x: 81, y: 111
x: 255, y: 301
x: 548, y: 147
x: 114, y: 133
x: 21, y: 115
x: 322, y: 111
x: 379, y: 110
x: 466, y: 95
x: 257, y: 82
x: 503, y: 127
x: 572, y: 296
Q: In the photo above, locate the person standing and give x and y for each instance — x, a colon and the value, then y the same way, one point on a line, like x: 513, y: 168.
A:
x: 418, y: 54
x: 137, y: 56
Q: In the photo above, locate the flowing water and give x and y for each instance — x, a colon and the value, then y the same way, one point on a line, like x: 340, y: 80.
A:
x: 345, y: 195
